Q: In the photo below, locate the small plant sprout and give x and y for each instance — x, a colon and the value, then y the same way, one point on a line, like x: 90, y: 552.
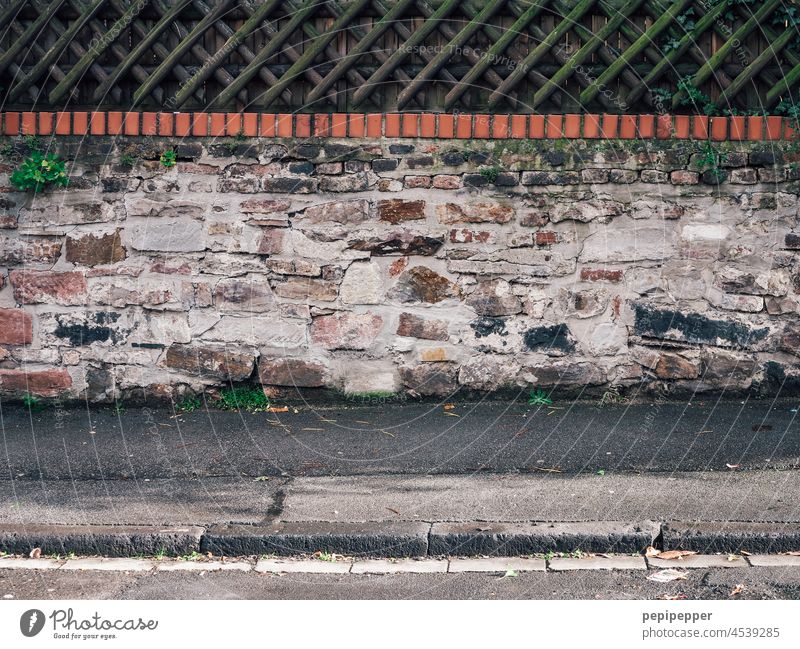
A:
x: 245, y: 397
x: 160, y: 554
x: 538, y: 397
x: 189, y: 404
x: 194, y: 555
x: 168, y: 158
x: 40, y: 171
x: 31, y: 402
x: 325, y: 556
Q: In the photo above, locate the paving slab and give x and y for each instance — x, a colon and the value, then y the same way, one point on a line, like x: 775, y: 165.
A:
x: 496, y: 564
x: 388, y: 566
x: 300, y: 566
x: 99, y: 563
x: 21, y: 563
x: 106, y: 540
x: 774, y: 560
x: 203, y: 566
x: 385, y: 539
x: 709, y: 537
x: 699, y: 561
x: 512, y: 539
x: 559, y: 564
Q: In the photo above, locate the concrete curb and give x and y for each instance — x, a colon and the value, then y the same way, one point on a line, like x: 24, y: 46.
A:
x: 106, y: 540
x: 400, y: 539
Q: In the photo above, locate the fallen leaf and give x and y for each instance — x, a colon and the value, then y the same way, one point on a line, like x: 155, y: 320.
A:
x: 673, y: 597
x: 733, y: 466
x: 664, y: 576
x: 394, y: 511
x: 452, y: 414
x: 261, y: 478
x: 386, y: 432
x: 449, y: 406
x: 676, y: 554
x: 313, y: 429
x: 278, y: 409
x: 745, y: 553
x: 738, y: 588
x: 36, y: 553
x: 650, y: 551
x: 361, y: 421
x: 732, y: 557
x: 547, y: 469
x: 793, y: 553
x: 511, y: 573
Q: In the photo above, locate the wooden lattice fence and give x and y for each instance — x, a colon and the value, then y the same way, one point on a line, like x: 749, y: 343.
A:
x: 525, y: 56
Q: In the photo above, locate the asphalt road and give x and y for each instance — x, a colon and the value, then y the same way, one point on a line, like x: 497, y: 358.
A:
x: 416, y: 438
x: 759, y: 583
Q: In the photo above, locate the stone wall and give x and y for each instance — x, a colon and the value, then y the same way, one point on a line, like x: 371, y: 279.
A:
x: 410, y: 266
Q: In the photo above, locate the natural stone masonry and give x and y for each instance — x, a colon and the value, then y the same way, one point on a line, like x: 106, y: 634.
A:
x: 416, y: 266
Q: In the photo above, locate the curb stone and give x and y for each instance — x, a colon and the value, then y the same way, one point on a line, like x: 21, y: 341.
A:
x: 731, y: 537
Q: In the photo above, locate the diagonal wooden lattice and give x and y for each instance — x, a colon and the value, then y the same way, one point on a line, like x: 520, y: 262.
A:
x: 711, y: 56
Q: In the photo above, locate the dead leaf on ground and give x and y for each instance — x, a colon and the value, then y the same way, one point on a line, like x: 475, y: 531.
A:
x: 449, y: 406
x: 667, y: 575
x: 673, y: 597
x: 676, y: 554
x: 261, y: 478
x: 792, y: 553
x: 733, y: 466
x: 554, y: 469
x: 278, y: 409
x: 737, y: 589
x: 36, y: 553
x: 451, y: 414
x: 745, y: 553
x: 650, y: 551
x: 394, y: 511
x: 313, y: 429
x: 361, y: 421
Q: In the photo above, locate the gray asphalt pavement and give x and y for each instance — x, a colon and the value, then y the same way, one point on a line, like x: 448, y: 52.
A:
x: 759, y: 583
x: 414, y: 438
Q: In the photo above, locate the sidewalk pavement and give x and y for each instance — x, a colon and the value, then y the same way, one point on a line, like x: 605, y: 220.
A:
x: 411, y: 480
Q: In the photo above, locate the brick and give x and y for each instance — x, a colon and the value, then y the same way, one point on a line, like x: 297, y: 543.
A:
x: 322, y: 126
x: 249, y: 124
x: 410, y: 125
x: 463, y: 126
x: 683, y: 177
x: 664, y: 127
x: 11, y: 123
x: 183, y: 124
x: 284, y: 126
x: 481, y: 128
x: 536, y: 127
x: 91, y: 249
x: 268, y: 124
x: 45, y: 123
x: 339, y: 125
x: 610, y: 126
x: 200, y: 124
x: 374, y: 125
x: 500, y: 126
x: 63, y: 126
x: 225, y: 364
x: 302, y: 127
x: 166, y: 124
x: 646, y: 126
x: 217, y: 125
x: 392, y: 125
x: 233, y: 124
x: 627, y: 127
x: 572, y: 126
x: 131, y: 123
x: 16, y: 327
x: 446, y: 126
x: 591, y: 126
x: 98, y: 123
x: 519, y: 126
x: 346, y: 330
x: 755, y: 128
x: 42, y: 383
x: 29, y: 123
x: 356, y: 126
x: 114, y: 122
x: 700, y: 127
x: 737, y: 125
x: 719, y: 128
x: 80, y: 123
x: 444, y: 181
x: 601, y: 275
x: 553, y: 128
x: 682, y: 126
x: 774, y: 128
